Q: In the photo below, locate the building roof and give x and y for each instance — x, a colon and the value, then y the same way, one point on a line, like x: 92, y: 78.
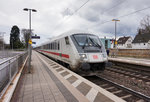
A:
x: 141, y: 38
x: 122, y: 40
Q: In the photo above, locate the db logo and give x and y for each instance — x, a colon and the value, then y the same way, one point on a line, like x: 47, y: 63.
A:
x: 95, y: 57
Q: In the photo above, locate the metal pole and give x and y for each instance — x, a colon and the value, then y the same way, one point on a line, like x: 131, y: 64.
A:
x: 29, y: 66
x: 29, y: 44
x: 115, y: 32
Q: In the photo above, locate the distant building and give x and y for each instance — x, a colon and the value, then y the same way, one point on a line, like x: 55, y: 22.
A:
x: 141, y: 41
x: 108, y: 43
x: 124, y: 42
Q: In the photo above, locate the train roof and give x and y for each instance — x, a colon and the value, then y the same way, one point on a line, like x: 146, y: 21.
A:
x: 68, y: 33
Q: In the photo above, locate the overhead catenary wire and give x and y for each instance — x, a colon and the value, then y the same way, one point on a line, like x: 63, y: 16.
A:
x: 107, y: 10
x: 72, y: 14
x: 83, y: 6
x: 126, y: 15
x: 104, y: 11
x: 134, y: 12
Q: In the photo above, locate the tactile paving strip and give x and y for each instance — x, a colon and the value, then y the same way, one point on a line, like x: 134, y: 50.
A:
x: 92, y: 94
x: 84, y: 88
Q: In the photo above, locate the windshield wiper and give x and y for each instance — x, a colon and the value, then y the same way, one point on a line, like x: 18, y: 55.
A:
x: 86, y: 41
x: 95, y: 43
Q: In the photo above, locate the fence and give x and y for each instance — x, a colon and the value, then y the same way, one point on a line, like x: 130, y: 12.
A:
x: 8, y: 70
x: 137, y: 53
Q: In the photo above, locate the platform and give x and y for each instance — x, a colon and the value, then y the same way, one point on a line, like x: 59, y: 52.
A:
x: 50, y: 82
x: 136, y: 61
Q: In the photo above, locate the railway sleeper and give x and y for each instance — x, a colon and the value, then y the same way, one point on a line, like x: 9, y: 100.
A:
x: 116, y: 92
x: 141, y: 100
x: 109, y: 88
x: 103, y: 85
x: 126, y: 96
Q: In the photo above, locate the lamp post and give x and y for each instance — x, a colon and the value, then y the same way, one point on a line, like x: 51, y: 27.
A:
x: 115, y: 30
x: 29, y: 47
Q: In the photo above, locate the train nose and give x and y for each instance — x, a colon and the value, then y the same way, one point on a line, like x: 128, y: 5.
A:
x: 93, y: 57
x: 96, y: 57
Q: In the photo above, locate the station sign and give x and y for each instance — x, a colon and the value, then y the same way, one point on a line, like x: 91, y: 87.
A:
x: 35, y: 37
x: 33, y: 42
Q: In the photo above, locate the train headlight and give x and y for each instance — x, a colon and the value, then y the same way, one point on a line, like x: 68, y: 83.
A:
x: 83, y: 56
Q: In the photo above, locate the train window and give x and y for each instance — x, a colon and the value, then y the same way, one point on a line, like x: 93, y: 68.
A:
x: 81, y: 39
x: 47, y: 46
x: 50, y: 45
x: 87, y: 40
x: 55, y: 45
x: 67, y: 40
x: 58, y: 45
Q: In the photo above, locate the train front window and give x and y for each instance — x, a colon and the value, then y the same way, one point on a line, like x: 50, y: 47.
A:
x: 80, y: 39
x: 85, y: 40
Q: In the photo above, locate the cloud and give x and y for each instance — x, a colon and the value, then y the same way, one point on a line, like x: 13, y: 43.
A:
x: 57, y: 16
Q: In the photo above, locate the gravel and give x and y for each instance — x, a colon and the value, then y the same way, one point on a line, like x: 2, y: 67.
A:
x: 132, y: 83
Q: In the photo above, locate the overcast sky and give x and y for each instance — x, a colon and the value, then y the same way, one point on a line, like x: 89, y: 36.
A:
x: 54, y: 17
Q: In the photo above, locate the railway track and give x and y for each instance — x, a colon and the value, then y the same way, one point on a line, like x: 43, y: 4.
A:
x: 131, y: 73
x: 136, y: 68
x: 128, y: 94
x: 125, y: 93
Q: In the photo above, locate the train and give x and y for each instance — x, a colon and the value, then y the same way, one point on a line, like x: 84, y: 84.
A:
x: 76, y: 50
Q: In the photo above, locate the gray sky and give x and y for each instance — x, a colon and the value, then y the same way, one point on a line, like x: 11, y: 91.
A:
x: 54, y: 17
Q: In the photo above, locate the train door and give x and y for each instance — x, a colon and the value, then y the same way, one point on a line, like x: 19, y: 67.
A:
x: 106, y: 44
x: 66, y: 48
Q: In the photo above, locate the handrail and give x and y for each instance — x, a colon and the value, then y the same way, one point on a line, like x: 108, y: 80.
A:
x: 10, y: 58
x: 9, y: 68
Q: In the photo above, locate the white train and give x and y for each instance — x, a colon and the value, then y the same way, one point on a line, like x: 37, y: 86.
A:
x: 76, y: 50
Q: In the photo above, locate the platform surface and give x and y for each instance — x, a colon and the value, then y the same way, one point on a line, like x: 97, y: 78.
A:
x: 44, y: 85
x: 137, y: 61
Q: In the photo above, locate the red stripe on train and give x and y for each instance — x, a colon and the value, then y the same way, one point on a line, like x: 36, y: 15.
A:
x: 58, y: 54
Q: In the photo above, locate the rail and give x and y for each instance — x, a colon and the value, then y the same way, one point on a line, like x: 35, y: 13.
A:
x: 137, y: 94
x: 8, y: 69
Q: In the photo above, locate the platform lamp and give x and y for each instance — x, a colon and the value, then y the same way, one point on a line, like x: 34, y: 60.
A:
x: 115, y: 30
x: 29, y: 47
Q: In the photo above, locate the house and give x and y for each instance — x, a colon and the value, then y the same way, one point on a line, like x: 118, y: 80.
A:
x: 141, y: 41
x: 124, y: 42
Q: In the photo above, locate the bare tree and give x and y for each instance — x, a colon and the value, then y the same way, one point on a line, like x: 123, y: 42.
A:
x: 145, y: 25
x: 26, y: 36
